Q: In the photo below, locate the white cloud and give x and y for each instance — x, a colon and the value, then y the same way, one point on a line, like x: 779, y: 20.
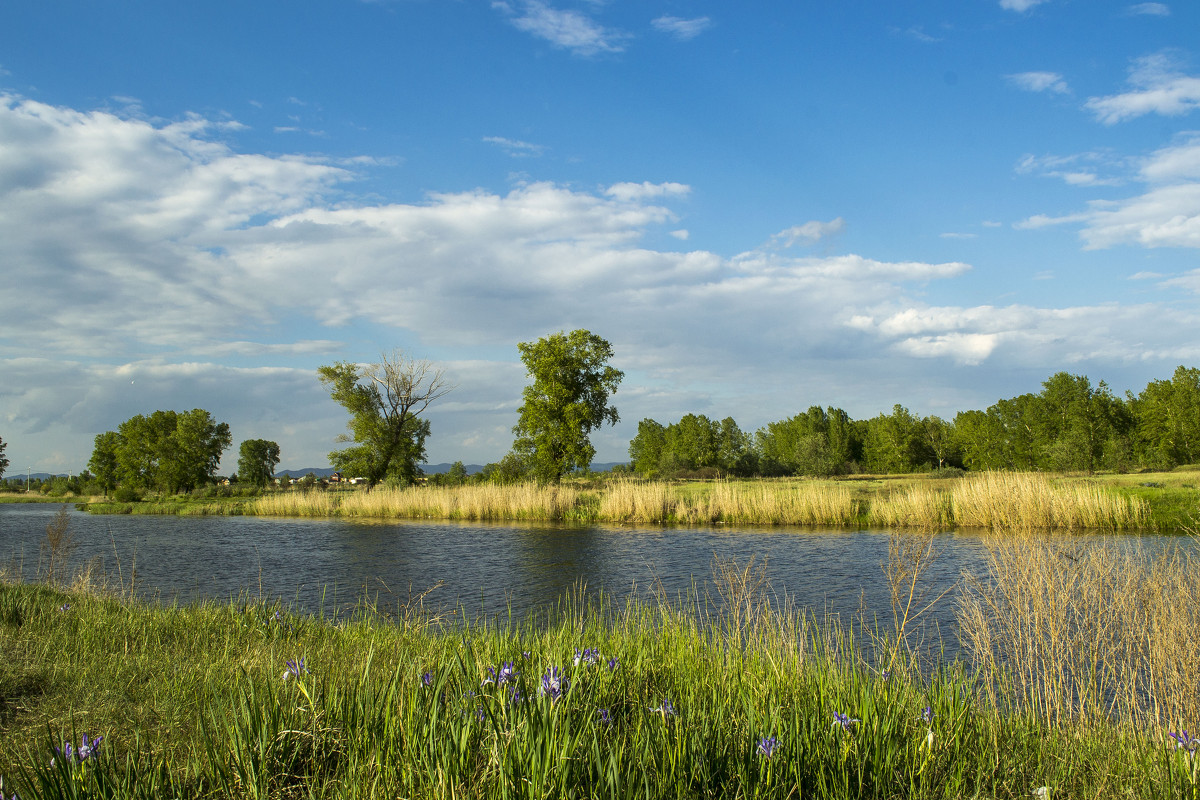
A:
x: 630, y: 192
x: 1039, y: 82
x: 1080, y: 169
x: 1150, y: 9
x: 569, y: 30
x: 808, y: 233
x: 1158, y: 87
x: 515, y: 147
x: 951, y: 235
x: 1020, y: 5
x: 154, y: 253
x: 683, y: 29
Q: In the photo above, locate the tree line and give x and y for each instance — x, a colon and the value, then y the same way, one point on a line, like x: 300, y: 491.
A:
x: 1070, y: 425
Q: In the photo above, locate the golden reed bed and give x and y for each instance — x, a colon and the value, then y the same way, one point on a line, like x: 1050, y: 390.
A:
x: 995, y: 501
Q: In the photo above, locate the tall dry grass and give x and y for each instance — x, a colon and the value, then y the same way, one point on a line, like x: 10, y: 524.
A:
x: 755, y: 503
x: 1024, y: 501
x: 313, y: 503
x: 1087, y: 629
x: 526, y: 501
x: 918, y: 506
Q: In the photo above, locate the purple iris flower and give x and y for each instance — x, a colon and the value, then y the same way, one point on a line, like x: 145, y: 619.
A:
x: 590, y: 655
x: 928, y: 715
x: 767, y: 746
x: 1185, y: 741
x: 88, y: 748
x: 613, y: 664
x: 294, y: 669
x: 666, y: 709
x: 427, y: 680
x: 506, y: 674
x: 845, y: 721
x: 605, y: 719
x: 554, y: 684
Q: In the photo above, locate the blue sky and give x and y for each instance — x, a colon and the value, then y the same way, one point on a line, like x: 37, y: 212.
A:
x: 763, y: 206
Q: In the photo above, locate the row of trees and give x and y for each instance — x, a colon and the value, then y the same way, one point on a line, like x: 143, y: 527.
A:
x: 173, y: 452
x: 1070, y: 425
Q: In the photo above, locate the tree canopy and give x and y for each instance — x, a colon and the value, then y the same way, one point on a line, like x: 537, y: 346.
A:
x: 385, y: 401
x: 166, y: 451
x: 257, y: 459
x: 566, y: 401
x: 3, y: 458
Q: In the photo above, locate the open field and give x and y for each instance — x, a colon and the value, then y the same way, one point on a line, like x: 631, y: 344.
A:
x: 728, y: 696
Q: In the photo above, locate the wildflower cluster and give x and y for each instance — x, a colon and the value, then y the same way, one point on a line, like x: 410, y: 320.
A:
x: 506, y: 674
x: 588, y: 656
x: 88, y: 749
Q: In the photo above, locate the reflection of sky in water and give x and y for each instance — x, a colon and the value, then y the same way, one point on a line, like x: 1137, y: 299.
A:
x: 487, y: 569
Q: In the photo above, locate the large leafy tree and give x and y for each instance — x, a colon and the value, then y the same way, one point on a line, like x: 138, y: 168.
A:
x: 167, y: 451
x: 257, y: 459
x: 3, y: 458
x: 566, y: 401
x: 385, y: 401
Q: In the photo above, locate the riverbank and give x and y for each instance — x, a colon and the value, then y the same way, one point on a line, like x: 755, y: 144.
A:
x: 989, y: 500
x: 737, y: 699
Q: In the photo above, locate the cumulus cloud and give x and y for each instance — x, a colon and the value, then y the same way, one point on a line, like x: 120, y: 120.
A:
x: 161, y: 268
x: 680, y: 28
x: 1039, y: 82
x: 1094, y: 168
x: 1157, y: 86
x: 569, y: 30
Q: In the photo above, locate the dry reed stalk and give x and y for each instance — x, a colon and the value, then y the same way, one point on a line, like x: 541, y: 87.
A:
x: 1029, y: 501
x: 1087, y: 629
x: 636, y: 501
x: 917, y: 507
x: 313, y: 503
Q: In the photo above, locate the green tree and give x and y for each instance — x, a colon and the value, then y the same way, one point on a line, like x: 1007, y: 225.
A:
x: 385, y: 401
x: 646, y: 449
x: 566, y: 401
x: 166, y: 451
x: 103, y: 463
x: 3, y: 458
x: 457, y: 475
x: 257, y: 459
x: 1167, y: 419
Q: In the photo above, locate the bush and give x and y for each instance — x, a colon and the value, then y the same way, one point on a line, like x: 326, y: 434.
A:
x: 126, y: 494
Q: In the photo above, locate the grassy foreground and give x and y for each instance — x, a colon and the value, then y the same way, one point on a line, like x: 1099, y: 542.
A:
x: 730, y: 698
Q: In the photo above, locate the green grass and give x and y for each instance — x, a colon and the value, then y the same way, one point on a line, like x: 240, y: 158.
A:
x: 192, y: 703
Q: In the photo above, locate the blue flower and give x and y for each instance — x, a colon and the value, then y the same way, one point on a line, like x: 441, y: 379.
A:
x: 88, y: 749
x: 506, y: 674
x: 590, y: 655
x: 294, y: 669
x: 928, y: 715
x: 613, y: 664
x: 605, y: 719
x: 63, y: 607
x: 1185, y: 741
x: 666, y: 709
x: 427, y: 680
x: 845, y: 721
x: 767, y: 746
x: 554, y: 684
